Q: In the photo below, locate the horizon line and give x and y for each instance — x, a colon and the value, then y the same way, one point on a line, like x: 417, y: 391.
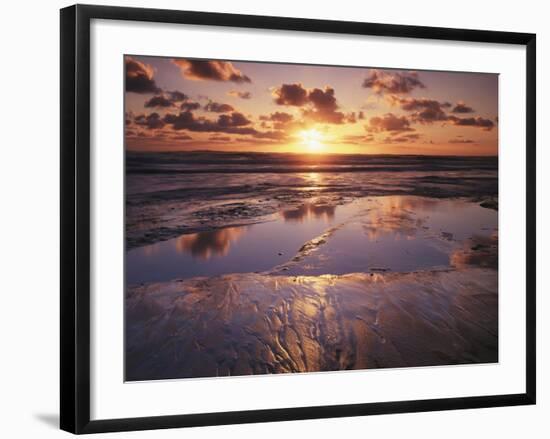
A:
x: 216, y: 151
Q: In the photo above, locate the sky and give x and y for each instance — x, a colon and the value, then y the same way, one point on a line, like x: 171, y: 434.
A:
x: 185, y: 104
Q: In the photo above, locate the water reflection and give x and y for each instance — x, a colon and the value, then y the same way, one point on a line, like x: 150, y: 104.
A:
x: 307, y: 211
x: 479, y: 251
x: 397, y: 233
x: 204, y: 245
x: 406, y: 217
x: 397, y: 215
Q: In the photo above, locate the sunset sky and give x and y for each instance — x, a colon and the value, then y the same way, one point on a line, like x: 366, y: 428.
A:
x: 187, y: 104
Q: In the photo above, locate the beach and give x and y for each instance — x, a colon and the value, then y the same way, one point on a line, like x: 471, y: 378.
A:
x: 266, y: 263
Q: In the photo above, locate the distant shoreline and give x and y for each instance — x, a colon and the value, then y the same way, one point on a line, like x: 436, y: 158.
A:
x: 305, y: 154
x: 274, y: 170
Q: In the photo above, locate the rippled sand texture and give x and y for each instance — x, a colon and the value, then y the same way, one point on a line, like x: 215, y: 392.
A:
x: 246, y: 324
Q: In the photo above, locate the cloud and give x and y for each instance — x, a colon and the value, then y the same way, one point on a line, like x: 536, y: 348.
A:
x: 424, y: 110
x: 271, y: 135
x: 158, y: 135
x: 278, y: 116
x: 323, y: 100
x: 320, y: 105
x: 369, y: 138
x: 291, y: 94
x: 236, y: 123
x: 428, y: 111
x: 402, y: 138
x: 234, y: 120
x: 324, y: 107
x: 159, y: 101
x: 356, y: 139
x: 354, y: 117
x: 239, y: 94
x: 217, y: 138
x: 139, y: 77
x: 279, y: 121
x: 382, y: 82
x: 390, y: 123
x: 479, y: 122
x: 189, y: 105
x: 415, y: 104
x: 256, y: 142
x: 177, y: 96
x: 151, y: 121
x: 216, y: 107
x: 429, y: 115
x: 169, y: 99
x: 182, y: 136
x: 460, y: 107
x: 461, y: 141
x: 201, y: 70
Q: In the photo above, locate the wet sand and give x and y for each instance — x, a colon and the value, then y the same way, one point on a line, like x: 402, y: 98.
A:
x: 241, y: 263
x: 387, y: 282
x: 246, y: 324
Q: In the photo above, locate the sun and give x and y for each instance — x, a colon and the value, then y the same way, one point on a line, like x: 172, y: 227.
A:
x: 312, y: 139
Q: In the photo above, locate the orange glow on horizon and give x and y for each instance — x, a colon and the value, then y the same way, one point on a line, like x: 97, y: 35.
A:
x: 179, y: 105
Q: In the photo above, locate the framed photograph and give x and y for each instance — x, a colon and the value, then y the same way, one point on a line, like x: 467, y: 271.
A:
x: 268, y: 218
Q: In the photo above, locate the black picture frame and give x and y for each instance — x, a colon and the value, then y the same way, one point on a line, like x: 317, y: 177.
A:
x: 75, y: 217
